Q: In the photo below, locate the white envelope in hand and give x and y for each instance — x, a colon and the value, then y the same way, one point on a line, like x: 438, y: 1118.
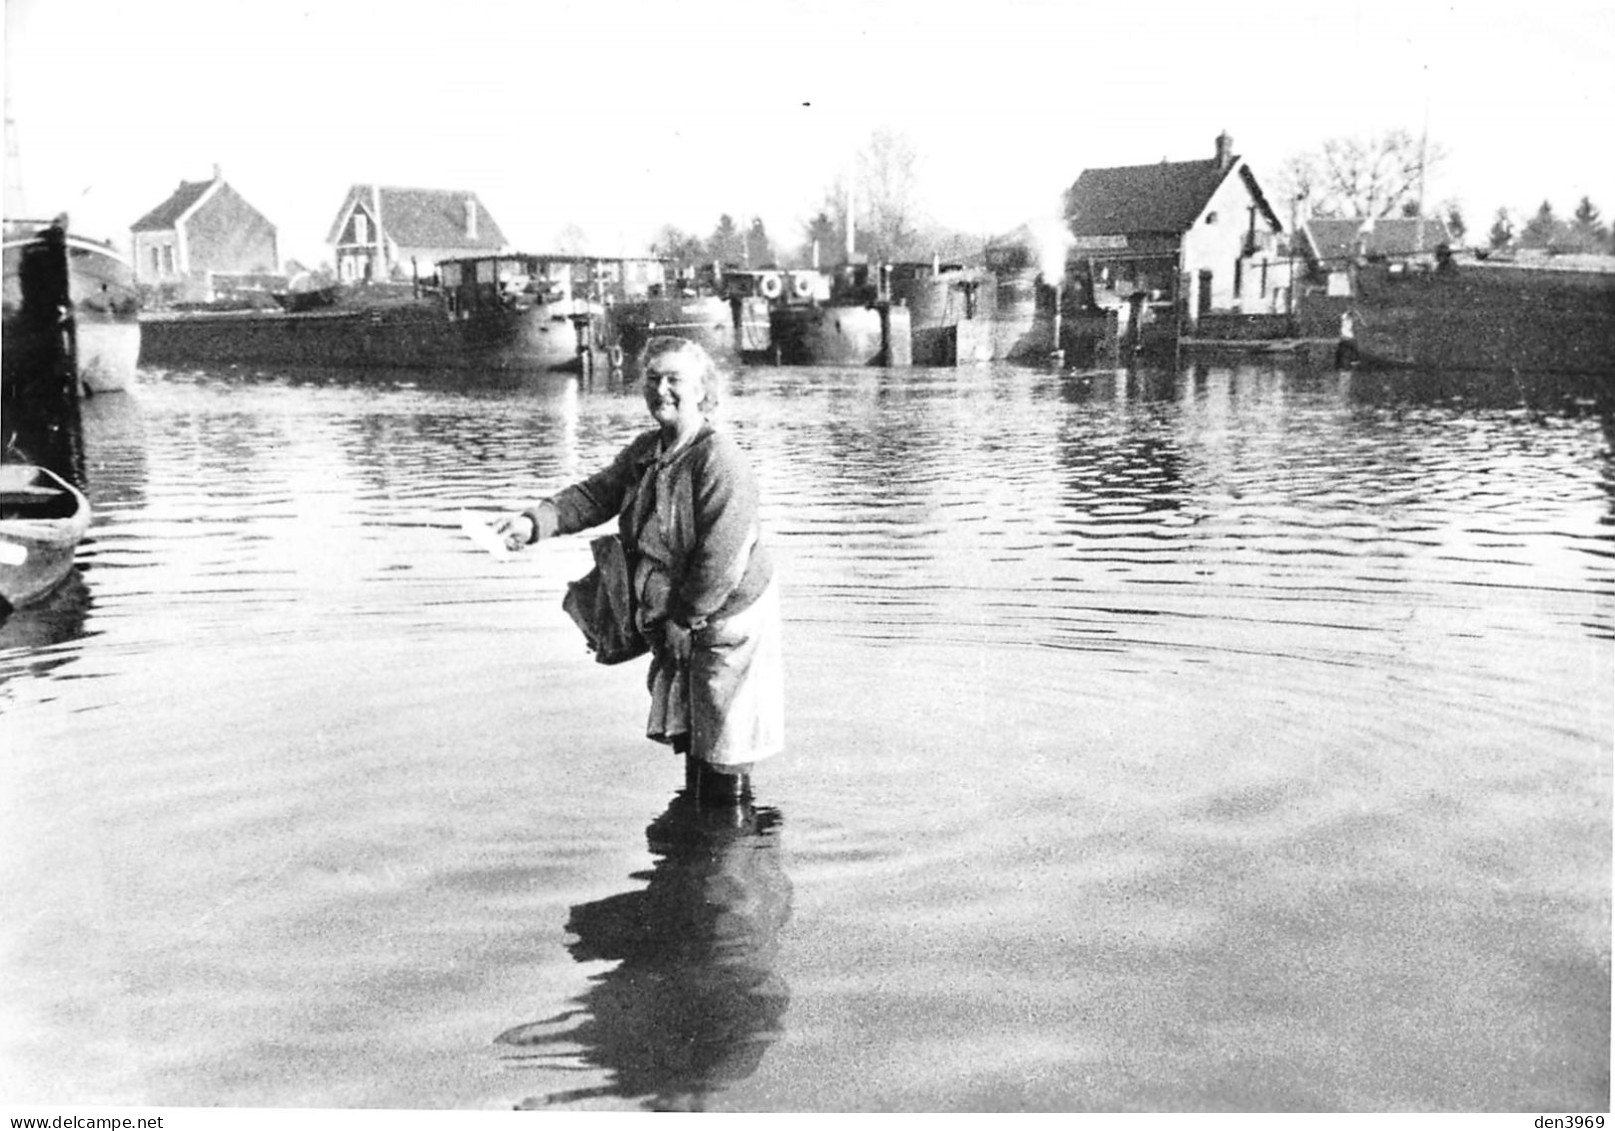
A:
x: 482, y: 534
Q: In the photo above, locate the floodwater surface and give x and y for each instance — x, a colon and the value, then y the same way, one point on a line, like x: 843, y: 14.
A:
x: 1233, y: 738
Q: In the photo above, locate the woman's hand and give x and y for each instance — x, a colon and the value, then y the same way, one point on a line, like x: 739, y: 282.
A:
x: 517, y: 530
x: 676, y: 641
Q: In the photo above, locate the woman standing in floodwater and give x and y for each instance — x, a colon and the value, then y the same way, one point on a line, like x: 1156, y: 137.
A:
x: 686, y: 504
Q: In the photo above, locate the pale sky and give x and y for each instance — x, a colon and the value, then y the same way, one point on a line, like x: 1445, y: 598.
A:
x: 620, y: 116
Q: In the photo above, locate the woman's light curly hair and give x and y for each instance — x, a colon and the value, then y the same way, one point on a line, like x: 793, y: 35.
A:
x: 705, y: 367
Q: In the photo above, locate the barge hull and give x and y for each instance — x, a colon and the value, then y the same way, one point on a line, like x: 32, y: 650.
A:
x: 1483, y: 317
x: 404, y: 338
x: 852, y: 336
x: 731, y: 330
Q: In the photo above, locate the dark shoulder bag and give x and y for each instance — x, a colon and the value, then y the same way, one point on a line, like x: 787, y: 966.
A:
x: 602, y: 604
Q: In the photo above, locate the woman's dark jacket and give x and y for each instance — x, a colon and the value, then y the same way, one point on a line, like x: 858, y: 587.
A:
x: 709, y: 517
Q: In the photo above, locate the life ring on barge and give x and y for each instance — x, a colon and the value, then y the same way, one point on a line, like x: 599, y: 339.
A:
x: 770, y: 286
x: 614, y: 357
x: 802, y: 286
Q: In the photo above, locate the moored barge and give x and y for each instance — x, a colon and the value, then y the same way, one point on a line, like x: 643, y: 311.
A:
x: 856, y: 324
x: 1480, y: 315
x: 950, y: 309
x: 498, y: 313
x: 725, y: 312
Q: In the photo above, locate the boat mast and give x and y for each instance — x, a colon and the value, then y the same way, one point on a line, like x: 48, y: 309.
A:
x: 16, y: 205
x: 850, y: 224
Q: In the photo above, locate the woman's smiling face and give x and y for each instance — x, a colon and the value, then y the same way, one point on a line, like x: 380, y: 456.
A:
x: 674, y: 391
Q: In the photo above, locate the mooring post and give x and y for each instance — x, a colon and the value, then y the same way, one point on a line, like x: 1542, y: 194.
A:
x: 40, y: 388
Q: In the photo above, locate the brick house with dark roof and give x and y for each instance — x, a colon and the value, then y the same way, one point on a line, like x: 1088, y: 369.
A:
x: 1199, y: 235
x: 386, y: 233
x: 204, y: 229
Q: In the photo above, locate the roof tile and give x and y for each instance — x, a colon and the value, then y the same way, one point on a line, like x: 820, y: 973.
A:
x: 1336, y: 240
x: 1166, y: 197
x: 167, y: 214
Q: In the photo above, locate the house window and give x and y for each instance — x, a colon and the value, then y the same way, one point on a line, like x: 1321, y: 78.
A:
x: 168, y: 259
x: 361, y: 228
x: 1264, y: 278
x: 156, y: 261
x: 1239, y: 276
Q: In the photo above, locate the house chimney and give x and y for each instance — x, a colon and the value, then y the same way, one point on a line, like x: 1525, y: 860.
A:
x: 1225, y: 150
x: 470, y: 217
x: 218, y: 174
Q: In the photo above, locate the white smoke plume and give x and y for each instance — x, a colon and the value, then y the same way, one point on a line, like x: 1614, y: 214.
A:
x: 1051, y: 240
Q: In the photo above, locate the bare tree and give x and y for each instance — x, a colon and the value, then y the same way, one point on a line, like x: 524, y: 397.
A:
x: 676, y: 244
x: 838, y: 205
x: 1378, y: 175
x: 883, y: 197
x: 1298, y: 181
x: 888, y: 189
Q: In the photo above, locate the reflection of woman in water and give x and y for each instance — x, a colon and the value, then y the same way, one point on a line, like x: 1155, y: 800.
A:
x: 693, y: 1002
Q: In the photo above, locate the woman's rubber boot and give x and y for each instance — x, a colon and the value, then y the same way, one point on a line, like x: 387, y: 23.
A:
x: 721, y: 789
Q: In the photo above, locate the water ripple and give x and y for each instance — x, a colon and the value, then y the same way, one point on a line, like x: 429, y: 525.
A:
x: 1142, y: 724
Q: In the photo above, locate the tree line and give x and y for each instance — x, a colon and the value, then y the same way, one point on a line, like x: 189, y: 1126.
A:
x: 1381, y: 175
x: 881, y: 195
x: 1378, y: 176
x: 1584, y: 231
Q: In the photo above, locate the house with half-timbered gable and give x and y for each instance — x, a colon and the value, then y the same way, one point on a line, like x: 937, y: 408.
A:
x: 381, y: 232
